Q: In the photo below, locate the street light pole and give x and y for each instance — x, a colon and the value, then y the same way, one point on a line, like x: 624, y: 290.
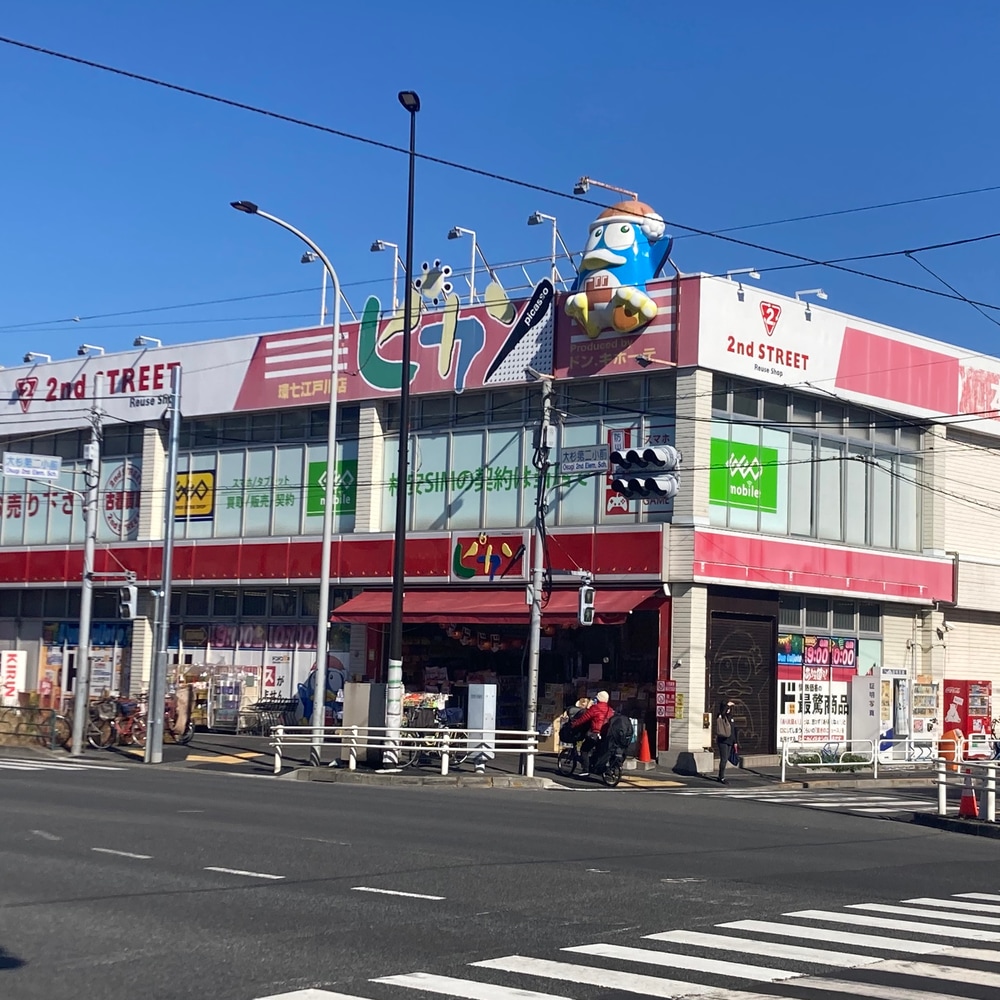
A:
x: 394, y: 673
x: 323, y: 616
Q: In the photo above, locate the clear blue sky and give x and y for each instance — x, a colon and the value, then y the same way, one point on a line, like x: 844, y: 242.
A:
x: 722, y: 114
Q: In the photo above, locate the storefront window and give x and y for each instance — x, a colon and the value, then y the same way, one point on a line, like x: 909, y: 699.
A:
x: 224, y: 603
x: 503, y: 459
x: 254, y: 603
x: 427, y: 500
x: 464, y: 507
x: 831, y: 461
x: 881, y: 485
x: 801, y: 499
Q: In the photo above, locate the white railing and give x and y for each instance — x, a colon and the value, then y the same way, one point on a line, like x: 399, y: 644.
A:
x: 833, y: 755
x: 913, y: 751
x: 467, y: 744
x: 978, y: 748
x: 983, y: 774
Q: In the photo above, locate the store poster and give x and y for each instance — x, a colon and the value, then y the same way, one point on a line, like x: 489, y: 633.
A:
x: 814, y: 678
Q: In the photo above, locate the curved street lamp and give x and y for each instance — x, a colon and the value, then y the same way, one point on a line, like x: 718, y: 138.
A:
x: 323, y: 616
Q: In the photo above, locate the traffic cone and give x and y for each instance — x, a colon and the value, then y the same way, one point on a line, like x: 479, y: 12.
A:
x: 968, y: 808
x: 644, y: 755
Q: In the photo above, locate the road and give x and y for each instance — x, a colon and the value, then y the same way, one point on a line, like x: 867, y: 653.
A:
x: 169, y: 884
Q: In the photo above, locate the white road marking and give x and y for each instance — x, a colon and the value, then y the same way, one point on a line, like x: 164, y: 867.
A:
x: 465, y: 988
x: 837, y: 936
x: 594, y: 976
x: 915, y: 911
x: 931, y: 970
x: 954, y: 904
x: 863, y: 920
x: 44, y: 835
x: 393, y: 892
x: 312, y: 994
x: 123, y: 854
x: 818, y: 956
x: 991, y: 897
x: 239, y: 871
x: 693, y: 963
x: 21, y: 764
x: 872, y: 989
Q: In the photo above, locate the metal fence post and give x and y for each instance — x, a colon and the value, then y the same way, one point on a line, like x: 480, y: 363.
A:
x: 875, y: 747
x: 279, y: 733
x: 942, y: 789
x: 529, y: 768
x: 784, y: 758
x: 990, y: 793
x: 445, y: 742
x: 352, y: 763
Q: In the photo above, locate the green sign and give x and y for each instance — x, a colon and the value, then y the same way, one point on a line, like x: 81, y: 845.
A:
x: 347, y: 487
x: 743, y: 475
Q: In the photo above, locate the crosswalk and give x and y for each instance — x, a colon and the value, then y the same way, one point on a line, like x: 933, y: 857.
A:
x: 917, y: 949
x: 55, y: 764
x: 833, y: 799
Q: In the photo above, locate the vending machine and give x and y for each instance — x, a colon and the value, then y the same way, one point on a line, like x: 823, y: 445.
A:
x: 881, y: 705
x: 968, y: 707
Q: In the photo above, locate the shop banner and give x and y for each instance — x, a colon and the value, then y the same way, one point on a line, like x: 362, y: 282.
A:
x: 814, y: 678
x: 743, y: 475
x: 13, y: 666
x: 346, y: 488
x: 774, y: 339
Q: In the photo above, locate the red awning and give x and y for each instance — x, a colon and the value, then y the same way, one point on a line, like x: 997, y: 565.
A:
x: 488, y: 606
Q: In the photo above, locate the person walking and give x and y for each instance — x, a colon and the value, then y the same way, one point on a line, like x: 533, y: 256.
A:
x: 724, y: 731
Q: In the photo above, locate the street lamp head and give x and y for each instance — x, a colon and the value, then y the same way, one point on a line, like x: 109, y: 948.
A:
x: 143, y: 341
x: 308, y: 257
x: 35, y: 356
x: 244, y: 206
x: 455, y: 233
x: 84, y: 349
x: 377, y: 247
x: 535, y: 219
x: 410, y: 101
x: 643, y: 362
x: 582, y: 186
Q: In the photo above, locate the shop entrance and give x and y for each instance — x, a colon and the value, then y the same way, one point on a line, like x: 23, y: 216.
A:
x: 742, y: 659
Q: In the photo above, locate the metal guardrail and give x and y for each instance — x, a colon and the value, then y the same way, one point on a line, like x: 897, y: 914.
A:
x: 443, y: 741
x: 912, y: 751
x: 834, y: 755
x: 982, y: 773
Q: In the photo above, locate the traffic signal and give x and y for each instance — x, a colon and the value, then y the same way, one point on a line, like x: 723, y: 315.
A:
x: 127, y: 599
x: 585, y: 614
x: 646, y: 473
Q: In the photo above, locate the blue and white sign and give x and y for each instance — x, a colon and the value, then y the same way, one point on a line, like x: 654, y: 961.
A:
x: 582, y: 460
x: 31, y: 466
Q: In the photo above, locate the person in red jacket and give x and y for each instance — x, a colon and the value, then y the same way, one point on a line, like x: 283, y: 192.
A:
x: 591, y: 722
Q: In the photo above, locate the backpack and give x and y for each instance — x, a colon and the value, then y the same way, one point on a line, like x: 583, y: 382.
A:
x: 619, y: 733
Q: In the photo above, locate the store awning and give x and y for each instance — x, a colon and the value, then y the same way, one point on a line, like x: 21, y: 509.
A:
x: 488, y: 606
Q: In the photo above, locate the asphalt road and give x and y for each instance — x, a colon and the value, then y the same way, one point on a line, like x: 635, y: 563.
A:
x: 170, y: 884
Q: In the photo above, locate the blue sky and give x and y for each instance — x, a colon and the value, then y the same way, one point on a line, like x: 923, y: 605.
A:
x: 719, y: 115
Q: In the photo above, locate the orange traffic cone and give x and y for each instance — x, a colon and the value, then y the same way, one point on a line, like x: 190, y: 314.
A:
x: 644, y: 756
x: 968, y: 808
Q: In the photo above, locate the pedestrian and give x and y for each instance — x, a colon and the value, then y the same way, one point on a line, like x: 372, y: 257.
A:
x: 724, y: 736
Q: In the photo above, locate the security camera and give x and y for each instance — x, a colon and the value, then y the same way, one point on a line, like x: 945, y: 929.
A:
x: 947, y: 626
x: 943, y: 629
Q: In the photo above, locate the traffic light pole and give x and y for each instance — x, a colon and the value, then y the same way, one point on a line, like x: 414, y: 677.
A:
x: 541, y: 463
x: 158, y: 678
x: 81, y: 691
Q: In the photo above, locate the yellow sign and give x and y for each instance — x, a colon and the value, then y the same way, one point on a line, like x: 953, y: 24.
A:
x: 679, y: 706
x: 194, y: 496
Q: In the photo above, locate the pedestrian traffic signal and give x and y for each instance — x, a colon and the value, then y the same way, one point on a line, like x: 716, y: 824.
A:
x: 585, y: 615
x: 646, y: 473
x: 128, y: 598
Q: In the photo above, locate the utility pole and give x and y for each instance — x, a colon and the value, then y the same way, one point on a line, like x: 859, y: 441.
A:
x: 81, y: 696
x: 543, y: 444
x: 158, y: 677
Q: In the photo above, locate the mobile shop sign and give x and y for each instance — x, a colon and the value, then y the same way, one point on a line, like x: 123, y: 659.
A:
x: 743, y: 475
x: 772, y: 338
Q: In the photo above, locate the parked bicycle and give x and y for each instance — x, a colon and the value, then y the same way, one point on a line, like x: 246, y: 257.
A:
x: 425, y: 729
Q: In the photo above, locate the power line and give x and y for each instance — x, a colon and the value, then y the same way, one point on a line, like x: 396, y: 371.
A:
x: 489, y: 174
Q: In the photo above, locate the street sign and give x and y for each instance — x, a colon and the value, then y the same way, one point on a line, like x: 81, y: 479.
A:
x: 666, y: 699
x: 582, y: 460
x: 31, y: 466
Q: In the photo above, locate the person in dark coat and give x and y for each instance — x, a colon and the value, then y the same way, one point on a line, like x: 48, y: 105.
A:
x: 590, y: 723
x: 724, y: 736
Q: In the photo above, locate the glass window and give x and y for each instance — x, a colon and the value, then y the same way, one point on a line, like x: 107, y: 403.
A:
x: 507, y: 405
x: 857, y: 423
x: 856, y: 497
x: 31, y: 603
x: 743, y: 514
x: 388, y: 483
x: 774, y: 480
x: 775, y: 406
x: 319, y: 423
x: 720, y: 392
x: 908, y: 499
x: 817, y: 613
x: 576, y: 503
x: 348, y: 422
x: 257, y: 499
x: 800, y: 479
x: 503, y: 467
x: 105, y: 604
x: 436, y: 412
x: 69, y: 445
x: 289, y: 489
x: 224, y: 603
x: 36, y: 513
x: 254, y: 603
x: 745, y: 401
x: 623, y: 393
x: 430, y: 482
x: 54, y: 604
x: 230, y: 495
x: 909, y: 438
x: 790, y: 611
x: 284, y: 602
x: 828, y: 480
x: 196, y: 604
x: 236, y: 430
x: 833, y: 417
x: 310, y: 602
x: 176, y: 600
x: 464, y: 498
x: 292, y: 425
x: 804, y: 410
x: 10, y: 602
x: 74, y: 603
x: 583, y: 398
x: 843, y: 616
x: 661, y: 394
x: 881, y: 479
x: 470, y: 407
x: 263, y: 427
x: 205, y: 433
x: 869, y: 617
x: 885, y: 430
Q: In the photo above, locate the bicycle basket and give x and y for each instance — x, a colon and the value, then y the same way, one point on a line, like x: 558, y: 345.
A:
x: 106, y: 710
x: 128, y: 707
x: 567, y: 734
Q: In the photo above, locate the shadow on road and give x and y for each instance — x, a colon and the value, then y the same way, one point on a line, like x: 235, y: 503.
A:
x: 8, y: 961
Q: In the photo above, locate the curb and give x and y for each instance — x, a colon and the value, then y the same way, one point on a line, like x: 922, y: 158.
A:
x: 449, y: 781
x: 972, y: 827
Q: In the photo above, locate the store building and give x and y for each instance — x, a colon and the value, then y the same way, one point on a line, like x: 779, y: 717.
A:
x: 835, y: 512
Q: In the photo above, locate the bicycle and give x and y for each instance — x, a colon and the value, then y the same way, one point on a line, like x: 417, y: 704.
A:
x: 569, y: 757
x: 44, y: 726
x: 426, y: 742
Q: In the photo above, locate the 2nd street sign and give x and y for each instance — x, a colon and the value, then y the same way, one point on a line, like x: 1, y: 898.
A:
x: 582, y: 460
x: 31, y: 466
